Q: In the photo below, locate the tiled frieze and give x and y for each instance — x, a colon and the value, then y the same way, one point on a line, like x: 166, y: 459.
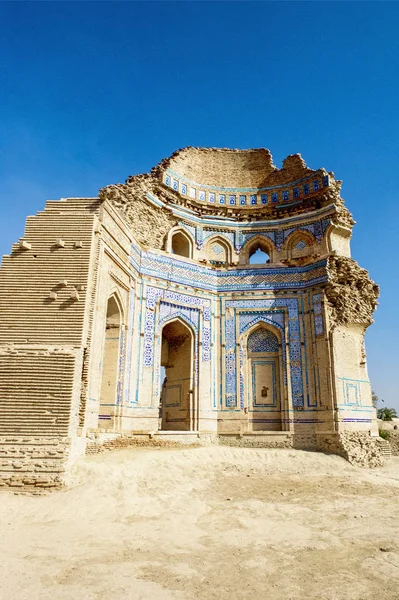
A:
x: 198, y: 276
x: 282, y: 193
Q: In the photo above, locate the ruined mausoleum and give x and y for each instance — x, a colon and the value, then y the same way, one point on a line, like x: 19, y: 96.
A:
x: 213, y: 299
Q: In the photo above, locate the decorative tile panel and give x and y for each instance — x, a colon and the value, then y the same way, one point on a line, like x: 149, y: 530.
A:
x: 286, y: 195
x: 175, y: 304
x: 253, y: 199
x: 318, y: 314
x: 201, y: 196
x: 301, y: 245
x: 263, y: 198
x: 262, y: 340
x: 243, y: 200
x: 232, y: 199
x: 264, y: 313
x: 222, y: 199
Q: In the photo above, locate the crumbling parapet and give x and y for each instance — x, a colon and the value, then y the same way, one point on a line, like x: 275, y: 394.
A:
x: 351, y: 294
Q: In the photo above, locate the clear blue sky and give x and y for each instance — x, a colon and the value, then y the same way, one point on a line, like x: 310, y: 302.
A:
x: 93, y: 92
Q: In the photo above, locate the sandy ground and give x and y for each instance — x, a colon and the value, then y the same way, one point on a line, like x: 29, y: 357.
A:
x: 211, y: 523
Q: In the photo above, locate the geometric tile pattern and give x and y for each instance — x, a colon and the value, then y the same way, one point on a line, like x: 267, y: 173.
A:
x: 262, y: 340
x: 208, y: 192
x: 301, y: 245
x: 263, y: 310
x: 173, y: 304
x: 317, y: 314
x: 172, y: 269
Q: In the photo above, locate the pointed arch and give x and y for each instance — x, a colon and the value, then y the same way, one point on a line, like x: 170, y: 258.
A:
x: 180, y: 242
x: 219, y: 249
x: 176, y: 402
x: 255, y: 243
x: 262, y: 374
x: 112, y: 366
x: 115, y: 296
x: 299, y: 243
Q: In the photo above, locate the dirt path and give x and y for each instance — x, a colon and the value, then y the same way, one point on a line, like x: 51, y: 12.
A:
x: 209, y: 523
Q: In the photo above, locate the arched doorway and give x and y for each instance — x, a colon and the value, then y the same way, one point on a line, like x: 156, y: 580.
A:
x: 265, y: 379
x: 176, y: 402
x: 110, y: 366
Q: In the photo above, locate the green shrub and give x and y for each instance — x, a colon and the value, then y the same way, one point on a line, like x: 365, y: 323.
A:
x: 383, y: 434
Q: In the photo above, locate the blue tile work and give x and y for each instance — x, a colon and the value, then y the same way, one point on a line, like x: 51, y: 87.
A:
x: 227, y: 235
x: 262, y: 340
x: 175, y: 185
x: 266, y: 307
x: 210, y: 192
x: 232, y: 199
x: 318, y: 314
x: 119, y: 386
x: 190, y: 229
x: 184, y: 189
x: 201, y: 196
x: 129, y: 346
x: 310, y: 228
x: 185, y: 306
x: 263, y: 198
x: 301, y: 245
x: 217, y: 249
x: 171, y: 268
x: 199, y: 237
x: 222, y: 199
x: 270, y: 235
x: 279, y: 239
x: 190, y: 316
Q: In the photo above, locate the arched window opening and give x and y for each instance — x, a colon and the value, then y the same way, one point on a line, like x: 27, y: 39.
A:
x: 110, y: 366
x: 175, y: 406
x: 258, y: 256
x: 181, y: 244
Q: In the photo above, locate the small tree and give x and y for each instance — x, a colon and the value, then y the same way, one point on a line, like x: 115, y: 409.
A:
x: 374, y: 398
x: 386, y: 414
